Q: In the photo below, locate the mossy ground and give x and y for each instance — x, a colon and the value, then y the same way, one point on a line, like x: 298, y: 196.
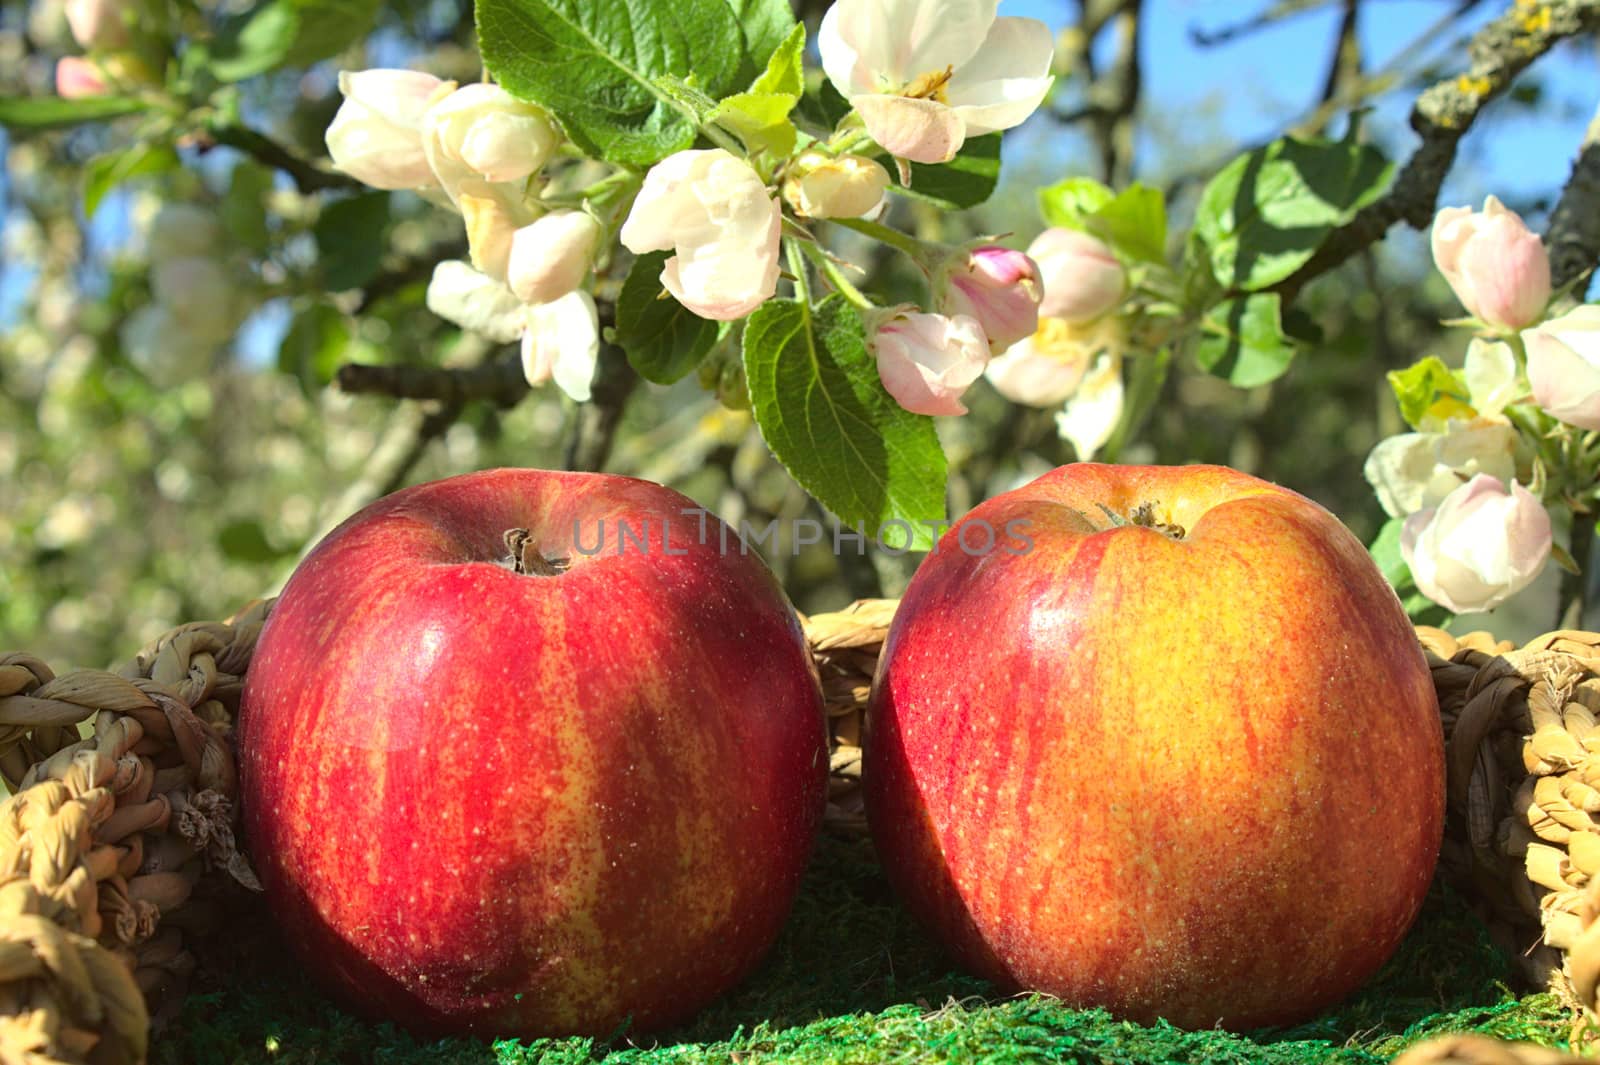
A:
x: 853, y: 980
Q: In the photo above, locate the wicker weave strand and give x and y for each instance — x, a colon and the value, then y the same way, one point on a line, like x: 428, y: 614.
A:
x: 108, y: 831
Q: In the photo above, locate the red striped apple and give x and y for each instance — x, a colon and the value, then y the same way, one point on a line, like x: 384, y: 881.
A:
x: 1170, y: 747
x: 525, y: 753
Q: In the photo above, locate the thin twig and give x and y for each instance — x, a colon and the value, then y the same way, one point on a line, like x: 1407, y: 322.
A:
x: 499, y: 381
x: 307, y: 176
x: 1278, y: 12
x: 1500, y: 51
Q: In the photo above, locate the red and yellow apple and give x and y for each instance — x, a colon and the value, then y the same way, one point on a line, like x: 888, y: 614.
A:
x: 531, y: 795
x: 1168, y: 746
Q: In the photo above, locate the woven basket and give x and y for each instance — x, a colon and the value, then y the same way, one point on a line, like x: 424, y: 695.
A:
x: 117, y: 844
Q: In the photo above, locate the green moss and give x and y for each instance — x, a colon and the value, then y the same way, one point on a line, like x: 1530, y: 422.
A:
x: 853, y: 980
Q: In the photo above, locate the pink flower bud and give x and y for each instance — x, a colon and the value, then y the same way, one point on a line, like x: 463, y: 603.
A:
x: 551, y: 257
x: 1082, y: 278
x: 376, y: 136
x: 927, y: 361
x: 997, y: 286
x: 821, y: 186
x: 1479, y: 547
x: 97, y: 24
x: 1564, y: 366
x: 1498, y: 269
x: 77, y: 77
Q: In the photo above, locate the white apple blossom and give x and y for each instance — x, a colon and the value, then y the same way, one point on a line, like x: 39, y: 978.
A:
x: 817, y: 185
x: 98, y: 24
x: 1413, y: 471
x: 376, y: 136
x: 1045, y: 369
x: 927, y: 74
x: 715, y: 213
x: 1082, y: 277
x: 926, y: 361
x: 1490, y: 372
x: 562, y: 342
x: 552, y: 256
x: 1564, y: 366
x: 199, y: 295
x: 1093, y: 410
x: 560, y: 339
x: 1498, y: 268
x: 481, y: 133
x: 1479, y: 547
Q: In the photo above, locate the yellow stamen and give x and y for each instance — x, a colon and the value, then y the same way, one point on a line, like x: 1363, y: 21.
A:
x: 930, y: 86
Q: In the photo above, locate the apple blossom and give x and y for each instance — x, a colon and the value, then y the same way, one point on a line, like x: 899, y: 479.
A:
x: 551, y: 257
x: 927, y: 361
x: 997, y: 286
x: 77, y: 77
x: 1045, y: 369
x: 562, y: 342
x: 476, y: 302
x: 1490, y: 372
x: 1082, y: 278
x: 181, y: 230
x: 1413, y: 471
x: 818, y: 185
x: 97, y: 24
x: 199, y: 295
x: 1564, y: 366
x: 1093, y: 410
x: 714, y: 212
x: 925, y: 75
x: 376, y: 136
x: 1498, y: 268
x: 482, y: 132
x: 1480, y: 546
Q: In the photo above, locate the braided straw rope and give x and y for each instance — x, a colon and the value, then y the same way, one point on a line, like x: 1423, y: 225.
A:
x: 845, y: 646
x: 106, y: 833
x: 1482, y: 1050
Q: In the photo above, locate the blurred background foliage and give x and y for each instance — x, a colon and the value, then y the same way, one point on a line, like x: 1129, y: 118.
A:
x: 172, y: 437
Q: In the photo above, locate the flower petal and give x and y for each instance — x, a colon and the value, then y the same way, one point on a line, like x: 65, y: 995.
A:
x: 562, y: 342
x: 880, y: 45
x: 480, y: 304
x: 1091, y: 415
x: 923, y: 131
x: 1007, y: 79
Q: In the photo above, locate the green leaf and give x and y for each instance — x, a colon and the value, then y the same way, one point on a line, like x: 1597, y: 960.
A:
x: 51, y: 112
x: 785, y: 71
x: 243, y: 209
x: 350, y: 244
x: 246, y: 541
x: 314, y: 347
x: 279, y: 33
x: 1069, y: 203
x: 1422, y: 384
x: 1268, y: 211
x: 1242, y: 340
x: 761, y: 121
x: 106, y: 172
x: 766, y: 26
x: 965, y: 181
x: 1385, y: 551
x: 821, y: 408
x: 1133, y: 221
x: 662, y: 338
x: 597, y: 65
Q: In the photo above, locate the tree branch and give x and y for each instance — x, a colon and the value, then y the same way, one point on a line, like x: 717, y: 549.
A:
x: 1500, y: 51
x: 596, y: 428
x: 1574, y: 234
x: 1278, y: 12
x: 307, y: 176
x: 499, y: 381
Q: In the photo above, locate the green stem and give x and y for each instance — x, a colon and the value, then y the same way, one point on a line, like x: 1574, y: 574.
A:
x: 797, y: 267
x: 835, y: 276
x: 1148, y: 375
x: 910, y: 245
x: 1575, y: 586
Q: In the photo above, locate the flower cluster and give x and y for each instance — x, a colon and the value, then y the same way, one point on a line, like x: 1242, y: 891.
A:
x: 1511, y: 433
x: 921, y: 76
x: 118, y: 49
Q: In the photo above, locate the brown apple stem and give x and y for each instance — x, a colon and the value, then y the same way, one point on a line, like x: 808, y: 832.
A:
x: 525, y: 556
x: 1144, y: 516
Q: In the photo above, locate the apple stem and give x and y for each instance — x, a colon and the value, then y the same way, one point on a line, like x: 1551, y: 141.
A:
x: 1144, y: 516
x: 525, y: 556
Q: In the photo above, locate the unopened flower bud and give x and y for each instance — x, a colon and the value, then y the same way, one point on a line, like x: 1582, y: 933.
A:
x: 822, y: 186
x: 926, y: 361
x: 1498, y: 268
x: 1082, y: 278
x: 1479, y: 547
x: 77, y: 77
x: 551, y: 257
x: 491, y: 225
x: 376, y: 136
x: 482, y: 131
x: 997, y: 286
x: 1564, y: 366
